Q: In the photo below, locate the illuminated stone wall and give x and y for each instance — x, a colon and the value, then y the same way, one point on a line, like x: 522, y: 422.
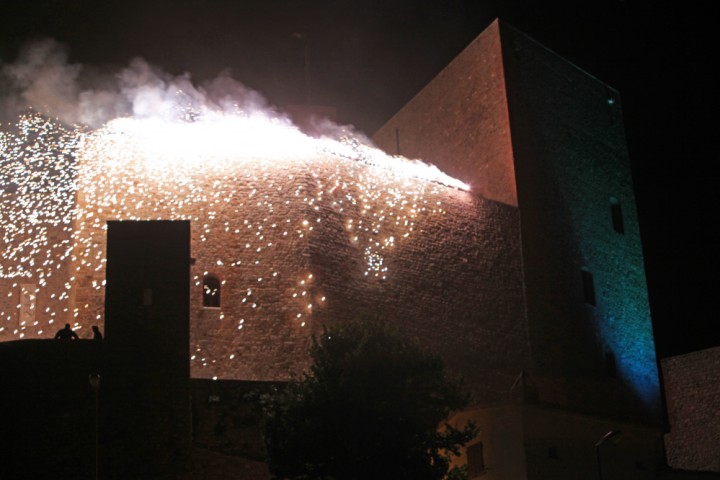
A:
x: 460, y: 121
x: 588, y: 307
x: 300, y: 242
x: 299, y: 238
x: 302, y: 235
x: 32, y: 306
x: 692, y: 392
x: 552, y: 138
x: 244, y: 232
x: 455, y: 284
x: 36, y: 203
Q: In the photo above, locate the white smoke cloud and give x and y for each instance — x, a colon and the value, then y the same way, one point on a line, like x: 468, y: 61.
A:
x: 42, y: 79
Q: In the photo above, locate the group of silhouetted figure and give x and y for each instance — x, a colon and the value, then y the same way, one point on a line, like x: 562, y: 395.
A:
x: 68, y: 333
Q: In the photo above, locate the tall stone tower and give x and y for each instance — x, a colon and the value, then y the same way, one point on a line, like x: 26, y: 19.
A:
x: 528, y: 129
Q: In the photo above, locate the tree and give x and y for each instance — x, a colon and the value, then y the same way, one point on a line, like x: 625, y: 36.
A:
x: 373, y: 406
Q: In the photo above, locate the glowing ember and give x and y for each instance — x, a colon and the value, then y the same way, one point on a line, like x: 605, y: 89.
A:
x: 250, y: 182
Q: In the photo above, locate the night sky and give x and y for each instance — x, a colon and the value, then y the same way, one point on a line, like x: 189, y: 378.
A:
x: 369, y: 57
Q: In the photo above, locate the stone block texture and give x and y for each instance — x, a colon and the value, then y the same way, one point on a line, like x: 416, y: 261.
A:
x: 538, y: 269
x: 297, y: 244
x: 531, y: 282
x: 551, y: 138
x: 692, y: 393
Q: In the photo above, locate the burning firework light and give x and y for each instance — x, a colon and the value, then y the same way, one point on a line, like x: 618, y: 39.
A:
x: 209, y: 161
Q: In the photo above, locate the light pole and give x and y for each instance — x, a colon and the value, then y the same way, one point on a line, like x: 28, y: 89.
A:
x: 612, y: 434
x: 303, y: 37
x: 94, y: 379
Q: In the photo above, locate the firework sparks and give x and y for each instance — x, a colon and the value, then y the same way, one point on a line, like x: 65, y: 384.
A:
x: 249, y: 181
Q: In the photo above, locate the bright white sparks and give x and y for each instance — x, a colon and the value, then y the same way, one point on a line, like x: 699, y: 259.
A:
x: 251, y: 182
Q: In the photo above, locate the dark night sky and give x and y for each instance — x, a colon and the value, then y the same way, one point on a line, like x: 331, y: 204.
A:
x: 369, y: 57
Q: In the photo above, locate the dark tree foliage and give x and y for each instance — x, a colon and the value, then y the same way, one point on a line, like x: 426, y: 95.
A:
x: 370, y: 408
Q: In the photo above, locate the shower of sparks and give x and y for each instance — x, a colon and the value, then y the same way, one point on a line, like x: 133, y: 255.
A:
x: 255, y: 190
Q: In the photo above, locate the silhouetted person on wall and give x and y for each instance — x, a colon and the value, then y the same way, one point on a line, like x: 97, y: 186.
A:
x: 97, y: 335
x: 66, y: 333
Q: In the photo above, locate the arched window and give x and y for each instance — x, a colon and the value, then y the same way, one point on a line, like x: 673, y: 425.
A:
x: 211, y: 291
x: 588, y: 286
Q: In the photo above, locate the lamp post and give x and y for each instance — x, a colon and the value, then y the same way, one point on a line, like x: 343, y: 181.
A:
x: 612, y: 434
x: 303, y: 37
x: 94, y: 379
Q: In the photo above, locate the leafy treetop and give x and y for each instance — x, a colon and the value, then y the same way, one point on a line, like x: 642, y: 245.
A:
x: 373, y: 406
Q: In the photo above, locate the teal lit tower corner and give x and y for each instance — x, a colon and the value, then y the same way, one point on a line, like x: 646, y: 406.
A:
x: 528, y: 129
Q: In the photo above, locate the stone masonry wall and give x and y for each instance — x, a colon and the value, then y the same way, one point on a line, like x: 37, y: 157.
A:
x: 460, y: 121
x: 454, y: 284
x: 246, y: 229
x: 572, y: 169
x: 303, y: 241
x: 37, y: 172
x: 692, y: 392
x: 549, y: 138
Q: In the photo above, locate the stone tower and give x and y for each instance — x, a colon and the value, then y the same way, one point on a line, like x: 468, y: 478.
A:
x: 531, y: 285
x: 528, y: 129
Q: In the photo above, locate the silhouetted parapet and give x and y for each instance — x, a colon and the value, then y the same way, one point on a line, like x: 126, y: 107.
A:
x: 145, y: 387
x: 49, y: 426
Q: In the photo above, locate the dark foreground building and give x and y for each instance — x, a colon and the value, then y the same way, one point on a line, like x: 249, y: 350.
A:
x: 531, y: 286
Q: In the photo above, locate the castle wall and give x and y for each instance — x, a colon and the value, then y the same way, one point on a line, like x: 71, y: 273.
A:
x: 33, y: 305
x: 455, y: 284
x: 692, y: 390
x: 299, y: 243
x: 246, y: 229
x: 588, y: 306
x: 460, y: 121
x: 299, y: 240
x: 37, y: 171
x: 302, y: 238
x: 549, y: 138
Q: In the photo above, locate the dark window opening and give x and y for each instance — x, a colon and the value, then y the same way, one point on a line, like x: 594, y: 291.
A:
x: 211, y: 291
x: 610, y: 365
x: 553, y: 453
x: 617, y: 216
x: 588, y: 287
x: 476, y: 460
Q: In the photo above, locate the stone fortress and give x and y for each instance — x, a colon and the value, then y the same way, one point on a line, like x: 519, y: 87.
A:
x: 530, y: 284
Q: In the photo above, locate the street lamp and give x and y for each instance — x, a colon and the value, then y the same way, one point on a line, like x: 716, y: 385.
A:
x: 94, y: 379
x: 612, y: 434
x: 306, y: 62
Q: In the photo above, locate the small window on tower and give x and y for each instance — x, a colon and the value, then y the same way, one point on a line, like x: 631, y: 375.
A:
x: 617, y: 216
x: 588, y: 286
x: 610, y: 365
x: 211, y: 291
